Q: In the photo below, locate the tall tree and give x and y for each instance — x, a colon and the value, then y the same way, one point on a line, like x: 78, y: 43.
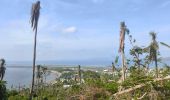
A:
x: 35, y: 12
x: 154, y: 51
x: 123, y: 30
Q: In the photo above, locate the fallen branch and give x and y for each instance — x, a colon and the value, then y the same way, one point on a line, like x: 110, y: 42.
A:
x: 142, y: 96
x: 140, y: 86
x: 129, y: 90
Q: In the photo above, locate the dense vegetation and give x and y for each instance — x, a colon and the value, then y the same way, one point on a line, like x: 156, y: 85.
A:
x: 97, y: 87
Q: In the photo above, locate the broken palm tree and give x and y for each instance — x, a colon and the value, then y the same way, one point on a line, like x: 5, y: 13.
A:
x: 153, y: 50
x: 123, y: 31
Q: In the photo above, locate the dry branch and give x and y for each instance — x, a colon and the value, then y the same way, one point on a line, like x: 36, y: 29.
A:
x: 142, y: 96
x: 140, y: 86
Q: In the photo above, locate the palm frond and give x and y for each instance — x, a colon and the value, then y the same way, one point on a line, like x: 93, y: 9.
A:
x: 153, y: 35
x: 35, y: 12
x: 164, y: 44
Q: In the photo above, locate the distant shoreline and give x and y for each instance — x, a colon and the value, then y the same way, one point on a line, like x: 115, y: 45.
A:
x: 56, y: 66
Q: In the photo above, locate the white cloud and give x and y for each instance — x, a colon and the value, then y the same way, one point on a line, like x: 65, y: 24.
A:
x: 71, y: 29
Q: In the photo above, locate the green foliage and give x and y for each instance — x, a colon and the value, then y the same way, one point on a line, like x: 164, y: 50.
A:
x: 137, y: 76
x: 101, y: 96
x: 91, y: 75
x: 3, y: 90
x: 111, y: 87
x: 166, y: 70
x: 167, y: 85
x: 17, y: 97
x: 105, y: 77
x: 116, y: 59
x: 76, y: 88
x: 13, y: 93
x: 94, y: 82
x: 68, y: 75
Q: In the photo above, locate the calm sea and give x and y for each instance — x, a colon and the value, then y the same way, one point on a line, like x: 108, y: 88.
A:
x: 22, y: 76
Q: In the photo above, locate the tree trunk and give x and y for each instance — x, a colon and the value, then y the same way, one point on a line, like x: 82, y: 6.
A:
x: 156, y: 65
x: 123, y: 65
x: 34, y: 59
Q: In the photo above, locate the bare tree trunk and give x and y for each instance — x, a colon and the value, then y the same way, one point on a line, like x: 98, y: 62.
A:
x: 123, y: 66
x: 156, y: 65
x: 34, y: 59
x: 121, y: 48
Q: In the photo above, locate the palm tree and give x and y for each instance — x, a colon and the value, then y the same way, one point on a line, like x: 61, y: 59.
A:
x: 123, y: 30
x: 2, y: 69
x: 35, y: 12
x: 153, y: 51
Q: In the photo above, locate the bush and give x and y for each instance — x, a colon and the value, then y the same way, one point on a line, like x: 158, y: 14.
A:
x: 3, y: 91
x: 13, y: 93
x: 111, y: 87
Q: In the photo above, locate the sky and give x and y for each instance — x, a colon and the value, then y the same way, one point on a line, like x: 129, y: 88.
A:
x: 80, y: 31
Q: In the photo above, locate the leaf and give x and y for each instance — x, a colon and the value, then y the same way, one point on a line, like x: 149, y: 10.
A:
x: 116, y: 60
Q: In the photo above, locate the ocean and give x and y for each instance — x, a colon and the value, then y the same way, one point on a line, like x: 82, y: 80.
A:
x: 15, y: 76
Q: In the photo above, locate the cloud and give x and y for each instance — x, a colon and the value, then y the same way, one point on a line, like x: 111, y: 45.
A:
x: 71, y: 29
